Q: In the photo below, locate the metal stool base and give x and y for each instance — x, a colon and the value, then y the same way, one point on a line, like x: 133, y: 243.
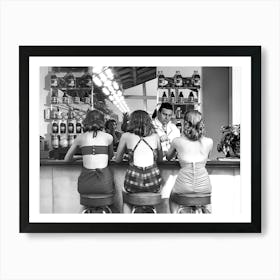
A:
x: 201, y: 209
x: 97, y: 210
x: 143, y: 209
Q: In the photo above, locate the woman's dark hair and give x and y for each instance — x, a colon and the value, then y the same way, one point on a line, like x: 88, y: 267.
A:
x: 111, y: 121
x: 140, y: 123
x: 94, y: 122
x: 193, y: 125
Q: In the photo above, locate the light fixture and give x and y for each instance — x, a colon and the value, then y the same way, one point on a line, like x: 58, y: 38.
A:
x: 97, y: 81
x: 108, y: 83
x: 115, y: 85
x: 111, y: 89
x: 97, y: 69
x: 103, y: 77
x: 109, y: 73
x: 106, y: 91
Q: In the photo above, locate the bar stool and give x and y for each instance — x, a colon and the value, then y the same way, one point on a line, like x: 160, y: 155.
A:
x: 192, y: 204
x: 142, y: 202
x: 97, y: 203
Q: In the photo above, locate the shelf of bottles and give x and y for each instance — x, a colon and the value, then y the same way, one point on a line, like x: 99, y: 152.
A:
x: 182, y: 92
x: 70, y: 99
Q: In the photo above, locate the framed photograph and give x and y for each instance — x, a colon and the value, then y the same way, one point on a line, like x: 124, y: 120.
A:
x: 108, y: 132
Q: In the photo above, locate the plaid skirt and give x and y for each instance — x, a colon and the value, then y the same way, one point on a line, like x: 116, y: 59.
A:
x: 142, y: 179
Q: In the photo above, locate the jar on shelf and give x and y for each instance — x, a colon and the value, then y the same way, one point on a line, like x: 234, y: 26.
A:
x: 63, y: 126
x: 86, y: 98
x: 55, y: 141
x: 65, y: 98
x: 76, y: 98
x: 54, y: 94
x: 181, y: 97
x: 178, y: 113
x: 79, y: 126
x: 54, y: 80
x: 54, y: 127
x: 47, y: 114
x: 164, y: 97
x: 196, y: 78
x: 172, y: 97
x: 161, y: 79
x: 178, y: 79
x: 69, y: 80
x: 63, y: 142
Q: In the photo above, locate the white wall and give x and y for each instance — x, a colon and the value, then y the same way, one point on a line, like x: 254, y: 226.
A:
x: 165, y: 256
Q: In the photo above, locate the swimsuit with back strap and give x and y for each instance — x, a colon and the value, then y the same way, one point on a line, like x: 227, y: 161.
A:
x: 131, y: 151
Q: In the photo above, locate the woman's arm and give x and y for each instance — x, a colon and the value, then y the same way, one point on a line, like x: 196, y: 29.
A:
x: 121, y: 149
x: 172, y: 150
x: 210, y: 147
x: 110, y: 148
x: 72, y: 150
x: 159, y: 149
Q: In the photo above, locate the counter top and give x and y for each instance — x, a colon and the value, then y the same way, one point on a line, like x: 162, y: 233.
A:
x: 226, y: 163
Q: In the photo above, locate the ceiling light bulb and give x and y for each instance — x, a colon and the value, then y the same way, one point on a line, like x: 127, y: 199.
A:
x: 97, y: 69
x: 116, y: 85
x: 106, y: 91
x: 109, y: 73
x: 103, y: 77
x: 97, y: 81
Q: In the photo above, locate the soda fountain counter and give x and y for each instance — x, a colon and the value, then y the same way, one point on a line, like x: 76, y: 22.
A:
x: 58, y: 185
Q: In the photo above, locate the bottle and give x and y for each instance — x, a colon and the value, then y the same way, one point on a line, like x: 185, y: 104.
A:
x: 196, y: 78
x: 79, y: 126
x: 54, y: 81
x: 47, y: 113
x: 54, y: 127
x: 63, y: 141
x: 178, y: 113
x: 178, y: 80
x: 191, y: 97
x: 58, y: 114
x: 164, y: 97
x: 55, y: 142
x: 86, y: 98
x: 179, y: 125
x: 53, y: 96
x: 181, y: 97
x: 172, y: 97
x: 65, y: 98
x: 76, y: 98
x: 53, y: 113
x: 161, y: 79
x: 63, y: 126
x: 70, y: 80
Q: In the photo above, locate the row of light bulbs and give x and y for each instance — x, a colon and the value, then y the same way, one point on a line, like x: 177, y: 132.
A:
x: 104, y: 77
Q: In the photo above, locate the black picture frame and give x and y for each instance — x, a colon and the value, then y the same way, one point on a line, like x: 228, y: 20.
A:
x: 254, y: 52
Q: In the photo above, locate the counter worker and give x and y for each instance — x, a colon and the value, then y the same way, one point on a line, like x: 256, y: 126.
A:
x: 166, y: 130
x: 111, y: 128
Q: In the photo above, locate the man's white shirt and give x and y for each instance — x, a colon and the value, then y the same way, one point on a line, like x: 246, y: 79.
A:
x: 171, y: 131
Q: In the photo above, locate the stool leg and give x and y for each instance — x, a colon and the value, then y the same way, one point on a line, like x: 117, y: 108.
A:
x: 143, y: 209
x: 99, y: 210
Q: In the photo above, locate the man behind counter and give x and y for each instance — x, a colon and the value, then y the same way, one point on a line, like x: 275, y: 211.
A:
x: 166, y: 130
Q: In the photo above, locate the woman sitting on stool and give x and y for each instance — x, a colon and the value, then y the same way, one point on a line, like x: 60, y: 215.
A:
x: 97, y: 150
x: 193, y: 182
x: 143, y: 147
